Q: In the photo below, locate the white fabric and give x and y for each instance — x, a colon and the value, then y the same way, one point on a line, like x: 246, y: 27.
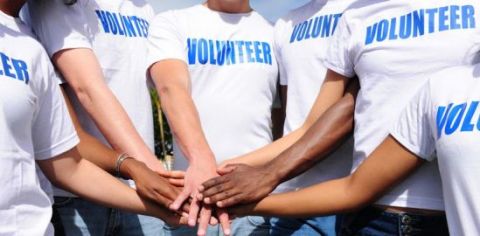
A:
x: 116, y: 31
x: 34, y: 125
x: 444, y: 116
x: 301, y: 42
x: 390, y: 62
x: 233, y: 91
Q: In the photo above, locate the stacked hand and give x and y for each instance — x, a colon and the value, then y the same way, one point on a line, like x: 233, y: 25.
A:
x: 238, y: 184
x: 206, y: 190
x: 161, y: 187
x: 195, y: 175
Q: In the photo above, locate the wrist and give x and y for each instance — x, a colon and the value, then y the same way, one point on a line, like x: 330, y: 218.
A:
x: 204, y: 161
x: 273, y: 174
x: 130, y: 167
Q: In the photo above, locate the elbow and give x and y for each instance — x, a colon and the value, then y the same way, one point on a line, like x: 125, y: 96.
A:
x: 55, y: 181
x: 163, y: 89
x: 347, y: 106
x: 167, y: 92
x: 83, y: 94
x: 358, y: 197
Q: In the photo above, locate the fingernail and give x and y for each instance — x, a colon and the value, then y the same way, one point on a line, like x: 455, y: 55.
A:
x: 207, y: 200
x: 200, y: 196
x: 201, y: 232
x: 219, y: 204
x: 201, y: 188
x: 191, y: 223
x: 227, y: 232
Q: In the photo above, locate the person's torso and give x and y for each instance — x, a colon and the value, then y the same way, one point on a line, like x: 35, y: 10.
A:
x: 455, y: 122
x: 25, y: 208
x: 302, y: 39
x: 233, y: 72
x: 394, y: 45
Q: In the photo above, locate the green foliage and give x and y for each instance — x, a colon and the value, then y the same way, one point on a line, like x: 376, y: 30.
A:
x: 163, y: 136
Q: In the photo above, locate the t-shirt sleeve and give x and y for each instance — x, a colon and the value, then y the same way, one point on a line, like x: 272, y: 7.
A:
x: 278, y: 40
x: 339, y: 53
x: 53, y: 132
x: 59, y: 26
x: 413, y: 129
x: 165, y: 39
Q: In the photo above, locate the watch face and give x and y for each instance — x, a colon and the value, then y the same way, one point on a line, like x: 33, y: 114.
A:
x: 69, y: 2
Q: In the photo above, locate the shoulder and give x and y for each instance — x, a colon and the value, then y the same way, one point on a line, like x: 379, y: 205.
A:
x: 175, y: 16
x: 362, y: 9
x: 30, y: 43
x: 261, y: 20
x: 298, y: 12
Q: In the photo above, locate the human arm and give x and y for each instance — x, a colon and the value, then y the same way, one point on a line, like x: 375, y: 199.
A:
x: 331, y: 92
x: 171, y: 78
x: 80, y: 67
x: 148, y: 183
x: 79, y: 176
x: 241, y: 183
x: 391, y: 162
x: 68, y: 38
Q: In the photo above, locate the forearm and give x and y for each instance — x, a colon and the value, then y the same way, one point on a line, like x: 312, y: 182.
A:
x: 185, y: 125
x: 85, y: 78
x: 86, y: 180
x: 332, y: 91
x: 390, y: 162
x: 263, y: 156
x: 184, y: 122
x: 323, y: 199
x: 95, y: 151
x: 115, y: 124
x: 326, y: 134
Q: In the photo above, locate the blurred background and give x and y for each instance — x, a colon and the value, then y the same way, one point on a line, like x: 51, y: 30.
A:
x: 271, y: 9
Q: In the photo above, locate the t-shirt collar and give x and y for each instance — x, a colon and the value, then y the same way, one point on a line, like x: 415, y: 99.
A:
x: 8, y: 19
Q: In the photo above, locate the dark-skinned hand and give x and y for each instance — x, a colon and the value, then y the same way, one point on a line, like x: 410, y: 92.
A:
x: 238, y: 184
x: 152, y: 185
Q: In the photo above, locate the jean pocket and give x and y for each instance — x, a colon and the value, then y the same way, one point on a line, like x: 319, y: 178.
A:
x: 62, y: 201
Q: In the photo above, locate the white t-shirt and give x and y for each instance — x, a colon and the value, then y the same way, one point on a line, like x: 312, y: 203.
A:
x: 34, y: 125
x: 116, y: 31
x: 233, y: 72
x: 390, y: 46
x: 445, y: 117
x: 301, y: 42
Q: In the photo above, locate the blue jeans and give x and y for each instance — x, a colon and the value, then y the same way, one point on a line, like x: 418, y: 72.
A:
x: 309, y: 226
x: 244, y: 226
x: 76, y: 216
x: 374, y: 221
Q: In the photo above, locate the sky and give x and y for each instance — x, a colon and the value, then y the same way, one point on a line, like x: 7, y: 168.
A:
x: 271, y: 9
